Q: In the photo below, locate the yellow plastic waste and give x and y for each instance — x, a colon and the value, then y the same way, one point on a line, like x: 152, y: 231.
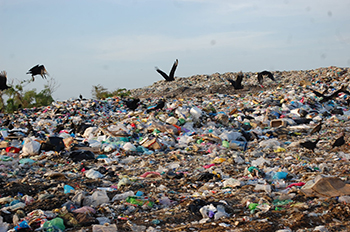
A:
x: 279, y: 150
x: 219, y: 160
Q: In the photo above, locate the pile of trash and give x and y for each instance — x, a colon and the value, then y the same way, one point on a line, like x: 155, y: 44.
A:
x: 256, y: 159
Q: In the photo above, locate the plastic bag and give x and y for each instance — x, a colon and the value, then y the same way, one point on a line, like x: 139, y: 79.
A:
x: 99, y: 197
x: 122, y: 196
x: 3, y: 225
x: 104, y: 228
x: 196, y: 112
x: 89, y: 132
x: 92, y: 174
x: 68, y: 189
x: 31, y: 147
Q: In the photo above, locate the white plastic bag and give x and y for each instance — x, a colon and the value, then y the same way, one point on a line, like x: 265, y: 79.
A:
x: 3, y: 225
x: 99, y: 197
x: 31, y: 147
x: 92, y: 174
x: 196, y: 112
x: 89, y: 131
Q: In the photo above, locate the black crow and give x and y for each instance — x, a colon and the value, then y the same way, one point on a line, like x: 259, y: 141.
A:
x: 317, y: 128
x: 318, y: 94
x: 332, y: 96
x: 309, y: 144
x: 160, y: 105
x: 171, y: 74
x: 38, y: 70
x: 261, y: 77
x: 3, y: 80
x: 132, y: 104
x: 237, y: 84
x: 339, y: 141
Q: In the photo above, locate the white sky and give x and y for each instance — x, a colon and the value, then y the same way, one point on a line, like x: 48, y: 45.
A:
x: 117, y: 43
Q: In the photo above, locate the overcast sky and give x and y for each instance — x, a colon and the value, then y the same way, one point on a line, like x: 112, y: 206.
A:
x: 117, y: 43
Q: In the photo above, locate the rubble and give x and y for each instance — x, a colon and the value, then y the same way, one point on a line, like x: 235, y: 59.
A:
x: 211, y: 158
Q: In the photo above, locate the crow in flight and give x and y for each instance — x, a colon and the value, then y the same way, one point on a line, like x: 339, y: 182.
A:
x: 38, y: 70
x: 237, y: 84
x: 171, y: 74
x: 332, y: 96
x: 261, y: 77
x: 3, y: 80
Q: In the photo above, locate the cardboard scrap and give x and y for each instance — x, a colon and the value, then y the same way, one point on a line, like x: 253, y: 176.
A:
x: 326, y: 187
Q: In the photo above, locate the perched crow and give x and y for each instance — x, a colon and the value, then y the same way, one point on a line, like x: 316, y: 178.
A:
x: 79, y: 128
x: 171, y: 74
x: 132, y: 104
x: 37, y: 70
x: 3, y: 80
x: 318, y: 94
x: 339, y: 141
x: 317, y: 128
x: 309, y: 144
x: 337, y: 111
x: 237, y: 84
x: 261, y: 77
x: 160, y: 105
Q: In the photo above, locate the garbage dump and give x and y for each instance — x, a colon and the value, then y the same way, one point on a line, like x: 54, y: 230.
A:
x: 194, y: 155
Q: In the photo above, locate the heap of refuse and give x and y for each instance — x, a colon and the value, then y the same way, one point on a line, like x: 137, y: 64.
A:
x: 233, y: 160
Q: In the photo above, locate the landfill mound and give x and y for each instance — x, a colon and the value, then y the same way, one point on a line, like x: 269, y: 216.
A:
x: 193, y: 154
x: 201, y: 85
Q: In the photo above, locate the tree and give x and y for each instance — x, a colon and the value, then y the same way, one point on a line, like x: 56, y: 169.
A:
x: 100, y: 92
x: 17, y: 98
x: 43, y: 98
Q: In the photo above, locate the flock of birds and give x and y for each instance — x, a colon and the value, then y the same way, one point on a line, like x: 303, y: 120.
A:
x: 132, y: 104
x: 41, y: 70
x: 36, y: 70
x: 311, y: 145
x: 237, y: 84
